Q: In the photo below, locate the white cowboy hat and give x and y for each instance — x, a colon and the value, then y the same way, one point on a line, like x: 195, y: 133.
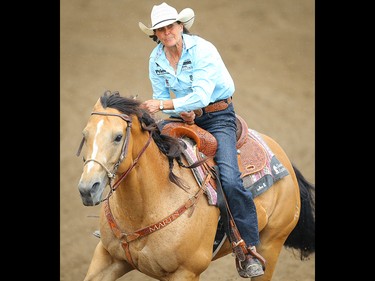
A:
x: 163, y: 15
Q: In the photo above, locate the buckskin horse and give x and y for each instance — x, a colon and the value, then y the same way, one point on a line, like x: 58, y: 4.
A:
x: 155, y: 217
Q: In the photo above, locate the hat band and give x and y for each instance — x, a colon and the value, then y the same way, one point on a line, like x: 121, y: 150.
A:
x: 162, y: 21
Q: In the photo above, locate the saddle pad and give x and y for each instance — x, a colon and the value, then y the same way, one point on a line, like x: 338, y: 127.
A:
x: 273, y: 170
x: 257, y: 182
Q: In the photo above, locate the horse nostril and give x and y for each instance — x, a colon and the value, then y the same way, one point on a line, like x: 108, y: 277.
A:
x: 95, y: 187
x: 88, y: 191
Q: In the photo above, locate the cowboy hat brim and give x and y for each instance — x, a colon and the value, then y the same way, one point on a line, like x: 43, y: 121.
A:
x: 186, y: 17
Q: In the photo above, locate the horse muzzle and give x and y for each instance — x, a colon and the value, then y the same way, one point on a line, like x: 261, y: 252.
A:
x: 91, y: 191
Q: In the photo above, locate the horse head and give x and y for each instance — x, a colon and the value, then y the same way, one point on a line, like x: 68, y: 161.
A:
x: 106, y: 138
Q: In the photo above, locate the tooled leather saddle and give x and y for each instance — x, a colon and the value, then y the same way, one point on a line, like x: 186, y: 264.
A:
x: 251, y: 155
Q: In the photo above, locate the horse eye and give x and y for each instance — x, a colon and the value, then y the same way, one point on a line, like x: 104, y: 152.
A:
x: 118, y: 138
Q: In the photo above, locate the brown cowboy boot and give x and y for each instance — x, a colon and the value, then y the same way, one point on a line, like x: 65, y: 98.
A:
x: 252, y: 266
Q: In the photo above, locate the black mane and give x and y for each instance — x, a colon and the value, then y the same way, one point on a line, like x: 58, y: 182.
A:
x: 128, y: 106
x: 169, y: 146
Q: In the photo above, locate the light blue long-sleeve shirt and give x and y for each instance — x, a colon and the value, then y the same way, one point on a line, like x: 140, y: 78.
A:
x: 201, y: 77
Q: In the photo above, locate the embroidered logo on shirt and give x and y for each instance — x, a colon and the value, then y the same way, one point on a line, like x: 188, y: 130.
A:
x: 187, y: 65
x: 160, y: 72
x: 187, y: 62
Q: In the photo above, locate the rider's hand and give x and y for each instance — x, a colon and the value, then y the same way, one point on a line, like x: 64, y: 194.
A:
x: 188, y: 117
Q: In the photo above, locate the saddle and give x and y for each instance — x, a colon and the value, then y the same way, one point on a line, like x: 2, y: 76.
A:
x: 251, y: 155
x: 251, y: 158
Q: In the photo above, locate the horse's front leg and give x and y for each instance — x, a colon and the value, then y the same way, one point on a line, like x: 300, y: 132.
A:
x: 104, y: 267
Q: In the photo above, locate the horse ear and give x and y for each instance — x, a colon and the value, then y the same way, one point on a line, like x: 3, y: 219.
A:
x: 98, y: 105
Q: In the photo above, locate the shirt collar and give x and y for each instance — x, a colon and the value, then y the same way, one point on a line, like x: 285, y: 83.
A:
x: 189, y: 41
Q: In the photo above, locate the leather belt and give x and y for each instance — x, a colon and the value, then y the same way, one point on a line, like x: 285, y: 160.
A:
x: 213, y: 107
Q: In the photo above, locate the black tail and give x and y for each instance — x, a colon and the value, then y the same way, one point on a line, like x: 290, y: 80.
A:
x: 302, y: 237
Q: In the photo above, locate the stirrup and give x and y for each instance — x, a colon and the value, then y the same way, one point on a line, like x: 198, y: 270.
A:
x: 252, y: 252
x: 249, y: 268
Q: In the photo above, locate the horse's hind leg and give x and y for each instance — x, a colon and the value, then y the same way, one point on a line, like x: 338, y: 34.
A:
x: 104, y: 268
x: 270, y: 250
x: 272, y: 238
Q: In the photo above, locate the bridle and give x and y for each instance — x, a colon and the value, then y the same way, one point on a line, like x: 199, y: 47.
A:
x: 126, y: 238
x: 124, y: 151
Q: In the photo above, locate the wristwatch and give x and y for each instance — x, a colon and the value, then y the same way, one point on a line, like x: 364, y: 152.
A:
x: 161, y: 106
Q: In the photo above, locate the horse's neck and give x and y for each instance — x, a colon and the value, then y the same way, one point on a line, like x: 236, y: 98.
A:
x: 146, y: 190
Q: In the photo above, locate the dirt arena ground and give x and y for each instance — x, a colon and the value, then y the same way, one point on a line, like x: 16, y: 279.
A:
x: 269, y: 48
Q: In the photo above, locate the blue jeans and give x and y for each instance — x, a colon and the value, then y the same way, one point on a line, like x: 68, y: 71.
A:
x: 222, y: 124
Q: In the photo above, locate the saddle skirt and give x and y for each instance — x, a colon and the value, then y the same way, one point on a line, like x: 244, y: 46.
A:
x: 258, y: 165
